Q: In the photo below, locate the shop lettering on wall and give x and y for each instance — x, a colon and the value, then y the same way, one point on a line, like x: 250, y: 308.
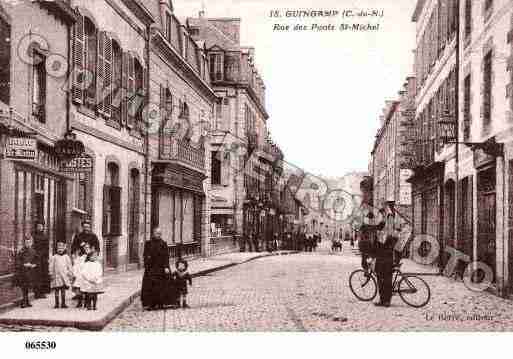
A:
x: 184, y: 180
x: 21, y: 148
x: 83, y: 163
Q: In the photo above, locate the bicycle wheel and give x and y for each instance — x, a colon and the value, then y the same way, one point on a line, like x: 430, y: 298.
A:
x: 414, y: 291
x: 363, y: 285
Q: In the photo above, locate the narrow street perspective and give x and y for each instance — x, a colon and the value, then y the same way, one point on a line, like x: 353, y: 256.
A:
x: 302, y: 166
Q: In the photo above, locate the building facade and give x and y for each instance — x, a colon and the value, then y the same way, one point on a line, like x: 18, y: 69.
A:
x: 435, y: 67
x: 391, y: 155
x: 35, y: 42
x: 179, y: 148
x: 245, y: 163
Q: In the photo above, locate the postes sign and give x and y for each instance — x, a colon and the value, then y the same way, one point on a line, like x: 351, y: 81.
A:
x: 82, y: 163
x: 21, y: 148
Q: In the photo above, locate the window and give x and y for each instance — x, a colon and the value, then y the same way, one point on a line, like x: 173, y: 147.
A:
x: 194, y: 31
x: 466, y: 108
x: 39, y: 87
x: 5, y: 61
x: 216, y: 168
x: 112, y: 201
x: 468, y: 18
x: 216, y: 67
x: 90, y: 62
x: 487, y: 89
x: 168, y: 27
x: 82, y: 191
x: 116, y: 80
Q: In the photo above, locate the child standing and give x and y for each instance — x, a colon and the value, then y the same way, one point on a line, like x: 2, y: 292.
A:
x: 61, y: 273
x: 78, y: 263
x: 182, y: 276
x: 92, y: 278
x: 26, y: 269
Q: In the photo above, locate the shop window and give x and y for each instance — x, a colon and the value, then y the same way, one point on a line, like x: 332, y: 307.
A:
x: 112, y: 202
x: 5, y: 60
x: 221, y: 225
x: 39, y: 87
x: 216, y: 168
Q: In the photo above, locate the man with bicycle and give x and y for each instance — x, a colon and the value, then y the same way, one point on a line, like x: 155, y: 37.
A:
x: 386, y: 257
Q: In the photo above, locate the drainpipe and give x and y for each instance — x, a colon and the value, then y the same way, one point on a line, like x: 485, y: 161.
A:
x: 146, y: 137
x: 457, y: 145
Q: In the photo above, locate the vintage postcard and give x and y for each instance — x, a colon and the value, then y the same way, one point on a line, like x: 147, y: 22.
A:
x: 255, y: 166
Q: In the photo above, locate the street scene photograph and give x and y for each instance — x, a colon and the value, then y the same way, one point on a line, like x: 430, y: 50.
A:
x: 283, y: 166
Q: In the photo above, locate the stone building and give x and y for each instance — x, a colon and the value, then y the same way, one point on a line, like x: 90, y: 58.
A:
x: 435, y: 67
x: 109, y: 91
x: 245, y: 163
x: 484, y: 166
x: 34, y: 45
x: 391, y: 154
x: 179, y: 148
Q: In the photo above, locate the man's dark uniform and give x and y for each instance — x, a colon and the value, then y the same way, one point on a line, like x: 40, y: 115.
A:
x: 83, y: 237
x: 385, y: 258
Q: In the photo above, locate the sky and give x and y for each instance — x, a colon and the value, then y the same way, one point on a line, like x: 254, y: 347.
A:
x: 324, y: 90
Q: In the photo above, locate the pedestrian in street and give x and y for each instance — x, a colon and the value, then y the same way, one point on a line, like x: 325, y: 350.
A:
x: 156, y: 272
x: 366, y: 244
x: 42, y: 248
x: 92, y: 276
x: 26, y: 269
x: 78, y: 263
x: 385, y: 254
x: 61, y: 274
x: 182, y: 278
x: 85, y: 236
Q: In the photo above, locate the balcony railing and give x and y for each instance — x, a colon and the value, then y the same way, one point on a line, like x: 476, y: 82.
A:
x: 183, y: 152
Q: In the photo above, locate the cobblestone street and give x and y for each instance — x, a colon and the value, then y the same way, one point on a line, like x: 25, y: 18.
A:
x: 309, y: 292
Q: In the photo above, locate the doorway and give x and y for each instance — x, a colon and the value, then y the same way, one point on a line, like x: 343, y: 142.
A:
x: 486, y: 218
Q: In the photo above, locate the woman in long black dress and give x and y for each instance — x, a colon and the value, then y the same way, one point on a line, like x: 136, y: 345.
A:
x: 156, y: 285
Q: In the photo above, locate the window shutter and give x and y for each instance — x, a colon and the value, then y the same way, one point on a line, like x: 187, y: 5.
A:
x: 106, y: 199
x: 115, y: 207
x: 141, y: 103
x: 78, y: 61
x: 162, y: 102
x: 100, y: 76
x: 108, y: 88
x: 131, y: 100
x: 124, y: 87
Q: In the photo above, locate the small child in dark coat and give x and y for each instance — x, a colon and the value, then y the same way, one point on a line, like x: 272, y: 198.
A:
x: 26, y: 270
x: 182, y: 276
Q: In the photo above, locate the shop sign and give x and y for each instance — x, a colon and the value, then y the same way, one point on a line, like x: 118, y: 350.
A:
x: 482, y: 158
x: 82, y: 163
x: 21, y: 148
x: 405, y: 187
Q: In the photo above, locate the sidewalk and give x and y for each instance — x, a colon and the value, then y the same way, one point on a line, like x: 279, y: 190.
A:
x: 121, y: 290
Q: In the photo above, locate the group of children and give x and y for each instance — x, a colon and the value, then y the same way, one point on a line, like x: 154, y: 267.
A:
x: 84, y: 274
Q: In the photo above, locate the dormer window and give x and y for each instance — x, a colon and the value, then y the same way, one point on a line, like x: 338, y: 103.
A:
x: 216, y: 66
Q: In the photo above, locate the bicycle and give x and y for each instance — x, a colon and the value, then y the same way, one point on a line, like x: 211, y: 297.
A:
x: 363, y: 285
